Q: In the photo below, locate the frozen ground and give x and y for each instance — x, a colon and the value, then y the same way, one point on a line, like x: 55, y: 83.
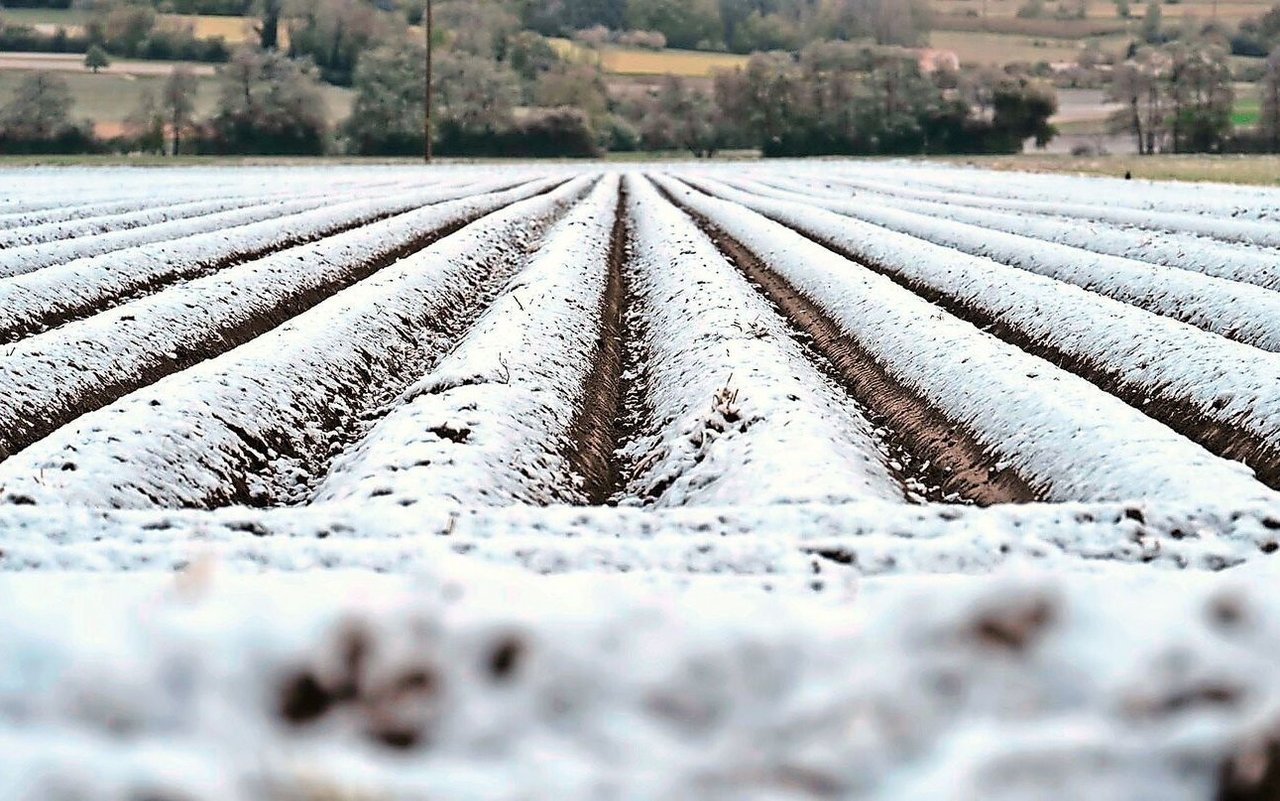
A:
x: 802, y: 480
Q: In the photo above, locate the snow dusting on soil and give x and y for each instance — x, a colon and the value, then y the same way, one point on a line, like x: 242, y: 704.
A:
x: 777, y: 480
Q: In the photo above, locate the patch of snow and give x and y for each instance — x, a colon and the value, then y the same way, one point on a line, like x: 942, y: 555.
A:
x: 1060, y: 432
x: 220, y: 431
x: 735, y: 412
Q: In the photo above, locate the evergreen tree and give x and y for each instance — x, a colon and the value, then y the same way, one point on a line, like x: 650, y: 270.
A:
x: 96, y: 59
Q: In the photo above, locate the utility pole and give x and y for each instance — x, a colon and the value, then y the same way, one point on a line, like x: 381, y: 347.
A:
x: 426, y: 126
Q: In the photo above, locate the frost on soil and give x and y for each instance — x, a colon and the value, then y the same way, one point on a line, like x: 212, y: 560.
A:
x: 558, y: 483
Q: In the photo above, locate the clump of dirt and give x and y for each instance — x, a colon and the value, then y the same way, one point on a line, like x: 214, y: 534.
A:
x: 1251, y: 774
x: 1013, y: 627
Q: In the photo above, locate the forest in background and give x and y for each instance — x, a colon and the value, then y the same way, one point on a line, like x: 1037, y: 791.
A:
x: 518, y: 77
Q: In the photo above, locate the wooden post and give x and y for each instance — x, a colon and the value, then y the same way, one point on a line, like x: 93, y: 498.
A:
x: 426, y: 128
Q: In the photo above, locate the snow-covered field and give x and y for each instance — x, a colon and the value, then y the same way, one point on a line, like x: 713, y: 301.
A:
x: 792, y: 480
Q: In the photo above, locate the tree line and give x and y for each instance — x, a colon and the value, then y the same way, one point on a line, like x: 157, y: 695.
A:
x: 266, y: 104
x: 504, y: 89
x: 1177, y: 93
x: 841, y: 99
x: 1175, y: 98
x: 127, y: 30
x: 834, y: 98
x: 740, y: 26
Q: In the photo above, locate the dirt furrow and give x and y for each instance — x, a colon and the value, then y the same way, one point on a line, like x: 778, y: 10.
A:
x: 49, y: 380
x: 41, y: 301
x: 1183, y: 251
x: 729, y: 410
x: 594, y: 430
x: 24, y: 259
x: 260, y: 425
x: 1224, y: 229
x: 68, y: 206
x: 1065, y: 437
x: 936, y: 457
x: 519, y: 412
x: 1171, y: 371
x: 632, y: 414
x: 1232, y: 309
x: 15, y: 239
x: 1205, y: 199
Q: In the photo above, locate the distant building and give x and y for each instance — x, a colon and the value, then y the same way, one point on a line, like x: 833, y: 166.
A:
x: 932, y: 60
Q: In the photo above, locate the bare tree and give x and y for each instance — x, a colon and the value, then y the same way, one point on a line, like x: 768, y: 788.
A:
x: 177, y: 100
x: 1200, y: 96
x: 1269, y: 118
x: 146, y: 124
x: 268, y: 104
x: 1136, y: 85
x: 1175, y: 98
x: 40, y: 107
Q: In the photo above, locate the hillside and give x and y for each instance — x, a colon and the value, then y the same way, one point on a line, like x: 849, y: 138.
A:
x: 1042, y: 39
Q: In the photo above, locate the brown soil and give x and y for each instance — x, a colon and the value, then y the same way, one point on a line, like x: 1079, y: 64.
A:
x: 415, y: 350
x: 24, y: 427
x: 594, y: 430
x: 77, y: 308
x: 957, y: 463
x: 1183, y: 416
